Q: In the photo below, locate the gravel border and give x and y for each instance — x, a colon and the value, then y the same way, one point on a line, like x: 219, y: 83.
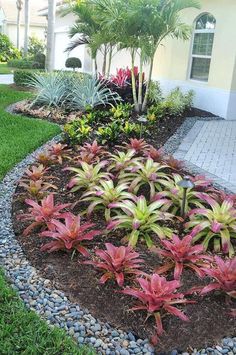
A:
x: 51, y: 304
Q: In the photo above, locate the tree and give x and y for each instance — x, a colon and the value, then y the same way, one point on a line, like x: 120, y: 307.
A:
x: 91, y: 33
x: 26, y: 35
x: 19, y: 5
x: 141, y: 26
x: 50, y: 34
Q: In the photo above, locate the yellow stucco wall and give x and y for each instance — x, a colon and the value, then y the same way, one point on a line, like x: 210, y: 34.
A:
x: 173, y: 56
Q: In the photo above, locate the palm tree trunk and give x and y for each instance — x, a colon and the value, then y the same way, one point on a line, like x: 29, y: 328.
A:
x: 96, y: 67
x: 144, y: 106
x: 133, y: 81
x: 140, y: 84
x: 50, y: 35
x: 109, y: 61
x: 26, y: 35
x: 19, y: 4
x: 104, y: 60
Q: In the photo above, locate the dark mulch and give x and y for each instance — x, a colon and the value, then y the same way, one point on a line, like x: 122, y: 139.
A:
x: 209, y: 318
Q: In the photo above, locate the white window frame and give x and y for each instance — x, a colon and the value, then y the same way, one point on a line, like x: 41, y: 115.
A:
x: 192, y: 56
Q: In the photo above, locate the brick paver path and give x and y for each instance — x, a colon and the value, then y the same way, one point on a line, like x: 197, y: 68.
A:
x: 211, y: 146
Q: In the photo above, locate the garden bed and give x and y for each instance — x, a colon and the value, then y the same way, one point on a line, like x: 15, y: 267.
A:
x: 209, y: 317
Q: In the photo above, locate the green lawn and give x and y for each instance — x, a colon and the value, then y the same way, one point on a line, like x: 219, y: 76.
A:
x: 22, y: 331
x: 19, y: 135
x: 4, y: 69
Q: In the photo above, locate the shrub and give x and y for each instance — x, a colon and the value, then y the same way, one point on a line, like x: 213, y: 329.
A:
x: 73, y: 62
x: 23, y: 77
x: 22, y: 63
x: 7, y: 50
x: 116, y: 263
x: 36, y: 46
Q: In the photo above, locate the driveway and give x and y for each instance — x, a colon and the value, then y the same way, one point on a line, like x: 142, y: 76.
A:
x: 6, y: 79
x: 210, y: 147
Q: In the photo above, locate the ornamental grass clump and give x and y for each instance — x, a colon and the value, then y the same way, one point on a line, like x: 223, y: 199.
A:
x: 149, y: 173
x: 141, y: 219
x: 158, y: 297
x: 88, y: 176
x: 224, y: 274
x: 69, y: 235
x: 180, y: 254
x: 216, y: 224
x: 117, y: 263
x: 43, y: 213
x: 102, y: 195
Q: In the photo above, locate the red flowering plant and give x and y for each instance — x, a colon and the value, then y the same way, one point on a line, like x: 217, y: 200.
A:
x: 224, y: 274
x: 117, y: 263
x: 156, y: 155
x: 182, y: 254
x: 138, y: 145
x: 69, y: 235
x: 43, y: 213
x: 158, y: 297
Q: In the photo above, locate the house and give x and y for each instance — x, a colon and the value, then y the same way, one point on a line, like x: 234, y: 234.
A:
x: 8, y: 21
x: 206, y: 63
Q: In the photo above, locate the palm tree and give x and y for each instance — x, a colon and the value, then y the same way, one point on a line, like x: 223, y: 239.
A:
x: 90, y: 33
x: 50, y: 34
x: 19, y: 5
x: 140, y: 26
x: 26, y: 35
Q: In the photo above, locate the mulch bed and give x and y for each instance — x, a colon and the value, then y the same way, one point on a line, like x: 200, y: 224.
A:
x: 209, y: 318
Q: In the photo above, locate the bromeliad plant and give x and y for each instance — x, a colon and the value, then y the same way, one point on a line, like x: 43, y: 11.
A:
x: 122, y: 160
x: 91, y: 153
x: 69, y: 235
x: 216, y: 223
x: 117, y: 263
x: 149, y: 173
x: 36, y: 173
x: 176, y: 194
x: 155, y: 155
x: 37, y: 189
x: 138, y: 145
x: 224, y: 274
x: 182, y: 254
x: 141, y: 218
x: 88, y: 176
x: 43, y: 214
x: 158, y: 297
x: 102, y: 195
x: 58, y: 152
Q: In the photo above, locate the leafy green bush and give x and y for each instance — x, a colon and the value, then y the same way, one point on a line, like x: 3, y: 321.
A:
x: 36, y: 46
x: 23, y: 77
x: 73, y: 62
x: 173, y: 105
x: 155, y: 93
x: 7, y: 50
x: 23, y: 63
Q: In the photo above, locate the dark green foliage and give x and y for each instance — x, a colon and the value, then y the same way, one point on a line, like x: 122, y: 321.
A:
x: 22, y: 77
x: 23, y: 63
x: 7, y: 50
x: 73, y: 62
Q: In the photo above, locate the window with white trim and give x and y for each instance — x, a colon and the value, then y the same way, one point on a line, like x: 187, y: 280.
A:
x: 203, y: 39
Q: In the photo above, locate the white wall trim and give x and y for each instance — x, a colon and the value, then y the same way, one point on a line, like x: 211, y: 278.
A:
x: 218, y: 101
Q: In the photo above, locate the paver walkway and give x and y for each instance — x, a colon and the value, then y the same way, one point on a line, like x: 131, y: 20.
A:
x: 6, y: 79
x: 211, y: 147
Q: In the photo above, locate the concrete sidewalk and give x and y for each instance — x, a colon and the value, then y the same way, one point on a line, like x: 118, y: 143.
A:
x: 6, y: 79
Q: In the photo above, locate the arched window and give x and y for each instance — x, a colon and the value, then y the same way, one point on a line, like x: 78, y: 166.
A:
x: 203, y: 38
